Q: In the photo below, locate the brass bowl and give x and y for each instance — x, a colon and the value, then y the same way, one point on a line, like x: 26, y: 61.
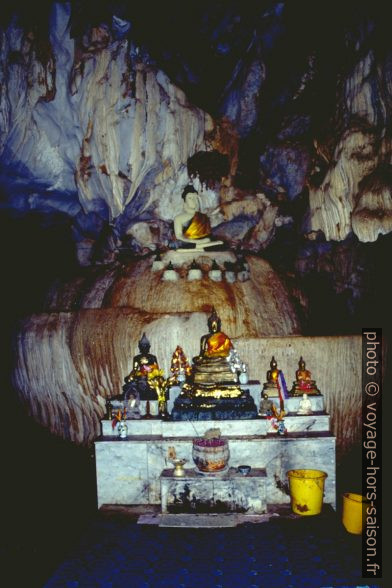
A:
x: 178, y: 466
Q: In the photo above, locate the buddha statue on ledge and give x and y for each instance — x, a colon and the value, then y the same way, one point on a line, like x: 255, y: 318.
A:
x: 271, y: 386
x: 303, y: 381
x: 192, y: 228
x: 212, y: 390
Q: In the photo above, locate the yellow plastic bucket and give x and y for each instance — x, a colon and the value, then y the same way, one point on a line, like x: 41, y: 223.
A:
x: 306, y: 491
x: 354, y: 512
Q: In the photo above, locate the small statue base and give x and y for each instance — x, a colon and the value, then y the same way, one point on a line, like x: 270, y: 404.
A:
x: 214, y: 409
x: 301, y: 391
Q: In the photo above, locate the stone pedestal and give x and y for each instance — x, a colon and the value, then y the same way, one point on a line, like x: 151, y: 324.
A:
x: 229, y: 492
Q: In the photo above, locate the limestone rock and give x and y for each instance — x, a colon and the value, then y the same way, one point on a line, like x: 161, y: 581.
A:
x: 102, y: 123
x: 332, y: 203
x: 372, y: 215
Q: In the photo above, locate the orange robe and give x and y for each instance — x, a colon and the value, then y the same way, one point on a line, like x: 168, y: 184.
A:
x: 218, y: 345
x: 199, y: 227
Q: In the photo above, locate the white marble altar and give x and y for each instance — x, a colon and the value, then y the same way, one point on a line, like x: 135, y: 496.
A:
x: 129, y: 471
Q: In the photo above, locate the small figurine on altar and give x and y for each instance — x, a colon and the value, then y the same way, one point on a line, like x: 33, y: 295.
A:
x: 180, y: 367
x: 237, y: 366
x: 109, y: 409
x: 133, y: 404
x: 305, y: 406
x: 234, y: 361
x: 277, y: 420
x: 192, y: 228
x: 266, y: 405
x: 303, y: 381
x: 281, y: 430
x: 243, y: 376
x: 275, y: 386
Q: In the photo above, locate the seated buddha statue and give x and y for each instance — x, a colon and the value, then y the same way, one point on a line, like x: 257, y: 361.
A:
x: 303, y: 381
x: 144, y: 365
x: 212, y: 391
x: 192, y: 228
x: 270, y: 387
x: 266, y: 405
x: 212, y: 367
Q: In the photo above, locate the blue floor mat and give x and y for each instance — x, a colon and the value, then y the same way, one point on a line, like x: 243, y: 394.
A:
x: 283, y: 553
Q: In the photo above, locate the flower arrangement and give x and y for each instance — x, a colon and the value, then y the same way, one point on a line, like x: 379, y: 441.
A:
x: 120, y: 415
x: 214, y: 442
x: 161, y: 385
x: 212, y: 438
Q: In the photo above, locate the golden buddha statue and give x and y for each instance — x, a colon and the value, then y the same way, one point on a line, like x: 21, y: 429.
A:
x: 211, y: 370
x: 303, y: 381
x: 192, y: 228
x: 270, y: 387
x: 212, y: 390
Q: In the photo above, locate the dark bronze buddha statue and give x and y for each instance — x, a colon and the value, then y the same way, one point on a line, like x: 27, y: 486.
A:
x: 145, y: 365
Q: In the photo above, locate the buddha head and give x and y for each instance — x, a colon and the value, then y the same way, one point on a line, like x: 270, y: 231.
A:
x: 144, y: 345
x: 190, y: 197
x: 301, y: 364
x: 214, y: 322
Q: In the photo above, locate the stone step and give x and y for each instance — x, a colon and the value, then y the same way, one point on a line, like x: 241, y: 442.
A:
x: 198, y: 521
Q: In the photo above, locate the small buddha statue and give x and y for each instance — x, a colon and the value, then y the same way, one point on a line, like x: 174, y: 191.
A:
x: 234, y: 361
x: 303, y: 381
x: 271, y: 386
x: 305, y: 405
x: 266, y: 405
x: 192, y: 228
